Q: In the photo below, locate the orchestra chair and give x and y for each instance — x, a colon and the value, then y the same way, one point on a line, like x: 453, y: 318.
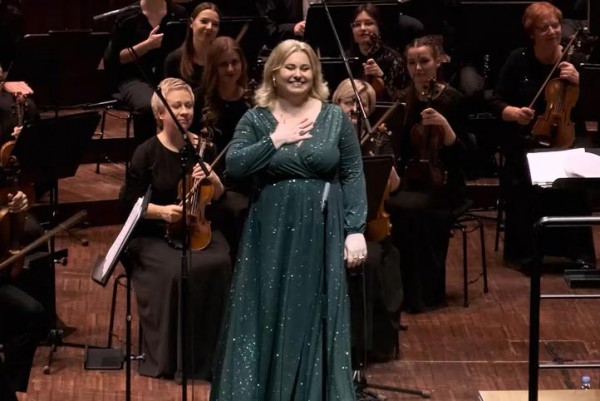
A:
x: 119, y: 110
x: 120, y: 281
x: 467, y: 223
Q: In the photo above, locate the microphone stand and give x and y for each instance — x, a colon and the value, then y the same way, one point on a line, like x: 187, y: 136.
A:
x: 358, y: 376
x: 185, y: 153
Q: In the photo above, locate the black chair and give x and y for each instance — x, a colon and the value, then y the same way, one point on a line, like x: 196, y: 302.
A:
x: 463, y: 221
x: 117, y: 109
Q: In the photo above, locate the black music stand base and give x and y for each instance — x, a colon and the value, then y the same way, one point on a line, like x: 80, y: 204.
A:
x: 582, y: 278
x: 103, y: 359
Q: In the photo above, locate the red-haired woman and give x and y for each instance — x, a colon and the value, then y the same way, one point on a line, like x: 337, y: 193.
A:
x: 521, y: 77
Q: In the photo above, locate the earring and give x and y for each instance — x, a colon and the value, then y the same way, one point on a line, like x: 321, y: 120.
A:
x: 274, y: 82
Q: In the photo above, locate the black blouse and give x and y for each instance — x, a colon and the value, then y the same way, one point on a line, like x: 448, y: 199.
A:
x: 132, y: 28
x: 172, y: 69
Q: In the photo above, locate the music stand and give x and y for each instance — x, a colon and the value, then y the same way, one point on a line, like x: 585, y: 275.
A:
x: 589, y: 94
x: 110, y: 358
x: 334, y: 70
x: 377, y: 171
x: 48, y: 150
x: 46, y: 63
x: 489, y: 28
x: 318, y: 31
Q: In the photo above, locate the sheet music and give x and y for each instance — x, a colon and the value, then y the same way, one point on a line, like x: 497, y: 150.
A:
x: 546, y: 167
x: 115, y: 249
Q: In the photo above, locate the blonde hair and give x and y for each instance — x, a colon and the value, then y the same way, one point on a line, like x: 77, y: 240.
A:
x: 267, y: 91
x: 345, y: 90
x: 165, y: 86
x: 535, y: 12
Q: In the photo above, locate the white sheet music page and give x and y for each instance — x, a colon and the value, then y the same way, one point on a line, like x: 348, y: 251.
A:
x: 117, y: 245
x: 546, y: 167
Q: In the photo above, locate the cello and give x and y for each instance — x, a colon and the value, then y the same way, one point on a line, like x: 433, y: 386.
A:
x: 554, y: 128
x: 424, y: 171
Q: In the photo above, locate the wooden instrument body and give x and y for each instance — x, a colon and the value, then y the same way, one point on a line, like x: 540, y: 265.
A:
x: 554, y: 128
x: 424, y: 172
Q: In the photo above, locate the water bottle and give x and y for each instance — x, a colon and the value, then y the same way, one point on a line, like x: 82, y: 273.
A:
x: 585, y: 383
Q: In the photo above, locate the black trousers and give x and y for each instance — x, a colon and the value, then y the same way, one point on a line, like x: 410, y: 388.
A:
x: 136, y: 95
x: 23, y: 320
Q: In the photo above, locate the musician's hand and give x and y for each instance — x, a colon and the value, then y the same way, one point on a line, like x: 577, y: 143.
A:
x: 212, y: 177
x: 14, y: 87
x: 355, y: 250
x: 291, y: 133
x: 17, y: 203
x: 371, y: 68
x: 431, y: 116
x: 522, y: 115
x: 17, y: 131
x: 299, y: 28
x: 569, y: 72
x: 154, y: 40
x: 171, y: 213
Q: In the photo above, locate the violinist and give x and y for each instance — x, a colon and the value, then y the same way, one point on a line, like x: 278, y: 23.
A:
x: 156, y: 264
x: 12, y: 92
x: 380, y: 65
x: 421, y: 217
x: 520, y: 79
x: 23, y: 319
x: 220, y: 104
x: 383, y: 281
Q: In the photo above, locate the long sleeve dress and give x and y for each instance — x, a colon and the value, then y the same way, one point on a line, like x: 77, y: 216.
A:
x: 156, y: 274
x: 272, y: 343
x: 421, y: 220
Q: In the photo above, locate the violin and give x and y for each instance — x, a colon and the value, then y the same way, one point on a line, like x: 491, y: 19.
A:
x: 12, y: 225
x: 380, y: 227
x: 554, y: 128
x: 197, y: 198
x: 424, y: 171
x: 376, y: 82
x: 6, y: 157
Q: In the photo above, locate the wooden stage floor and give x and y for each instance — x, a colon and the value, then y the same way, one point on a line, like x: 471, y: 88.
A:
x: 454, y: 352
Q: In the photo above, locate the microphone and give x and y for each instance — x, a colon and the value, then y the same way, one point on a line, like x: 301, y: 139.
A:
x: 325, y: 197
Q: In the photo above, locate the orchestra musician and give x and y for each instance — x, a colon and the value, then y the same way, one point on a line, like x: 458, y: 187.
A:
x: 520, y: 79
x: 141, y: 30
x: 188, y: 61
x: 293, y: 143
x: 156, y: 264
x: 24, y: 320
x: 421, y: 216
x: 380, y: 65
x: 220, y: 104
x: 382, y: 278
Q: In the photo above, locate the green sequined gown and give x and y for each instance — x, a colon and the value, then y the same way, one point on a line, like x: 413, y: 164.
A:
x: 271, y: 345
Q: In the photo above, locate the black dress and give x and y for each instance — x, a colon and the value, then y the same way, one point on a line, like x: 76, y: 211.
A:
x: 231, y: 210
x: 421, y: 221
x: 130, y: 29
x: 392, y: 65
x: 156, y: 273
x: 172, y: 69
x: 520, y: 78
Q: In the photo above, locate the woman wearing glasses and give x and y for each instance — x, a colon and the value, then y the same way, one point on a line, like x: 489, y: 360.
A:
x: 520, y: 78
x: 379, y: 64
